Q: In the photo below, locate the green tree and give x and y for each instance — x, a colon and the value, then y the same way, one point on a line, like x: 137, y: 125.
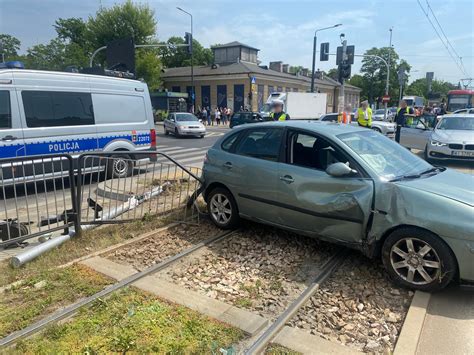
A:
x: 296, y: 69
x: 174, y: 57
x: 439, y: 88
x: 11, y: 46
x: 148, y: 67
x: 333, y: 74
x: 72, y: 30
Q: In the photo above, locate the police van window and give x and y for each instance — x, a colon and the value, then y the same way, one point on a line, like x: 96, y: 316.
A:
x: 5, y: 110
x: 53, y: 109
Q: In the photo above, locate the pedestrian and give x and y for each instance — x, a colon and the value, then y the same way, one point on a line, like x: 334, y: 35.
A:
x: 403, y: 112
x: 277, y: 113
x: 217, y: 113
x: 224, y: 116
x: 364, y: 115
x: 229, y: 114
x: 204, y: 115
x: 208, y: 110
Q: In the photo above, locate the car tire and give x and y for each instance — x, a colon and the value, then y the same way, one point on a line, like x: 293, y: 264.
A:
x: 166, y: 131
x: 176, y: 132
x: 202, y: 136
x: 426, y: 156
x: 119, y: 166
x: 418, y: 259
x: 222, y: 208
x: 376, y: 129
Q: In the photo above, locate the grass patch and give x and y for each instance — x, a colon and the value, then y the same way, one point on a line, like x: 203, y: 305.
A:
x: 133, y: 321
x: 45, y: 292
x: 90, y: 241
x: 276, y: 349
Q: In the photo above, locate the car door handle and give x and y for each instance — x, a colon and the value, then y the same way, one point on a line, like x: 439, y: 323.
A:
x: 287, y: 178
x: 9, y: 138
x: 228, y: 165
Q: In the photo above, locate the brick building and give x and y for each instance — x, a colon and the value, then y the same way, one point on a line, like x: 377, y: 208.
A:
x: 236, y: 80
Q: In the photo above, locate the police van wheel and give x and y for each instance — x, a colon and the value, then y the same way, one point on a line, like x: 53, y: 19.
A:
x: 120, y: 166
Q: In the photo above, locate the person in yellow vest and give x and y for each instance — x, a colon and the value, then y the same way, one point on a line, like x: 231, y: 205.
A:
x: 364, y: 115
x: 277, y: 113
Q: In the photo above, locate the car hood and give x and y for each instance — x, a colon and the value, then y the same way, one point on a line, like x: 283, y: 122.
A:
x: 453, y: 136
x: 189, y: 123
x: 450, y: 184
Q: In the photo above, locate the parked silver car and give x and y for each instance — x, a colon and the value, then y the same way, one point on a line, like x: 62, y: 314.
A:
x: 350, y: 186
x: 379, y: 115
x: 184, y: 124
x: 384, y: 127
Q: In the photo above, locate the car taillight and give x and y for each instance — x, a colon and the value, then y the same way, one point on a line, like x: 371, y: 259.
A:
x: 153, y: 138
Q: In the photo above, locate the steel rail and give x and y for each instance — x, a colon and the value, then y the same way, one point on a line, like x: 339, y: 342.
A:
x: 326, y: 270
x: 57, y: 316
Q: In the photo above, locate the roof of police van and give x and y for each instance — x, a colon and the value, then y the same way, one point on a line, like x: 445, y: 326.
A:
x: 78, y: 76
x: 329, y: 128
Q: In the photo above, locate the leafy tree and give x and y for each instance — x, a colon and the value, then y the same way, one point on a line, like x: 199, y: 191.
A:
x: 11, y: 46
x: 174, y: 57
x: 72, y: 30
x: 419, y: 87
x: 295, y: 69
x: 148, y: 67
x: 56, y: 55
x: 333, y: 74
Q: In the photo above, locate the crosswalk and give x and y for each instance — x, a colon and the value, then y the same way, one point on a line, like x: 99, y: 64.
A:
x: 186, y: 156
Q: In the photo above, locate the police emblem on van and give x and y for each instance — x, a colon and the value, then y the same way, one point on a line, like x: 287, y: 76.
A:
x: 134, y: 136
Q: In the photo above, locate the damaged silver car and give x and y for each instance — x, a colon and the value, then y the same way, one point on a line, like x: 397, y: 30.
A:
x: 350, y: 186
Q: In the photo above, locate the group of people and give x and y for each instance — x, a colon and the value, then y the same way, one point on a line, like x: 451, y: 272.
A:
x: 216, y: 117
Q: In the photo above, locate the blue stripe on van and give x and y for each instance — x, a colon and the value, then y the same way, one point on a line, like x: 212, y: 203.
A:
x: 69, y: 146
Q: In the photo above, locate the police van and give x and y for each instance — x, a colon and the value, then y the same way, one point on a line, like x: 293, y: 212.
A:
x: 43, y: 112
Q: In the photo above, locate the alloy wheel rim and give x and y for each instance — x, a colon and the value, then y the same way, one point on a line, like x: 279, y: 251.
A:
x: 221, y: 209
x: 415, y: 261
x: 120, y: 166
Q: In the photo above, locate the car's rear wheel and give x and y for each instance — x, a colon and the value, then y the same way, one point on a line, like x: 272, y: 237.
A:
x: 222, y: 208
x: 418, y: 259
x: 119, y: 166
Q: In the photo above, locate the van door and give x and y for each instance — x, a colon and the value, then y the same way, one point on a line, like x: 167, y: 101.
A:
x: 12, y: 143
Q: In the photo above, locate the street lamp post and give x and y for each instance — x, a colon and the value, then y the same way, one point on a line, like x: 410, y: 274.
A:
x: 315, y: 42
x: 192, y: 59
x: 388, y: 71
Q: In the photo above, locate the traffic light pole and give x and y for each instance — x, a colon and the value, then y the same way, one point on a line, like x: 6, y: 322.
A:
x: 342, y: 91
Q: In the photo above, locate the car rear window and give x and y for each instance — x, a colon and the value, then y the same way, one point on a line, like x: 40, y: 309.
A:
x: 229, y: 142
x: 53, y: 109
x: 5, y: 110
x: 262, y: 143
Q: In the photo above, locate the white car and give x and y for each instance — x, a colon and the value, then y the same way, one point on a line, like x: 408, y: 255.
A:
x: 465, y: 110
x: 379, y: 115
x: 184, y: 124
x: 384, y: 127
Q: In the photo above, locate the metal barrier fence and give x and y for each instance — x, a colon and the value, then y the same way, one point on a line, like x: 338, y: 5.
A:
x: 53, y: 193
x: 38, y: 197
x: 135, y: 187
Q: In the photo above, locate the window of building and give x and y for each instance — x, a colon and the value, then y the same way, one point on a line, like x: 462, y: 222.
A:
x: 52, y: 109
x: 261, y: 143
x: 279, y: 89
x: 5, y: 110
x: 176, y: 89
x: 270, y: 89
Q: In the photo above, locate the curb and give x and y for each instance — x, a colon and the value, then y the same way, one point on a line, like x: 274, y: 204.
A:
x: 412, y: 326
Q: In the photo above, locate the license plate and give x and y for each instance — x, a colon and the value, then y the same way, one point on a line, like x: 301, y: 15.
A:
x: 462, y: 153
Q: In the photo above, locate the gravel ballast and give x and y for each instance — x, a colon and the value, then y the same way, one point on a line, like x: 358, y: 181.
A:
x: 357, y: 306
x: 261, y: 269
x: 152, y: 250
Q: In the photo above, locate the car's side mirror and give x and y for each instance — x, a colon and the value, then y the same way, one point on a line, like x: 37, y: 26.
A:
x: 339, y: 170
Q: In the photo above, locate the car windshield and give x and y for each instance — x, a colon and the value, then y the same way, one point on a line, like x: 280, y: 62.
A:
x: 464, y: 123
x: 186, y: 117
x: 386, y: 158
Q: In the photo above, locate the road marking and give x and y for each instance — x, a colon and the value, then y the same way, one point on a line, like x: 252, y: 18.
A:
x: 170, y: 149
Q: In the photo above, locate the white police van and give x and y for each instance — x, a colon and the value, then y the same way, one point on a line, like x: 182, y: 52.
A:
x: 43, y: 112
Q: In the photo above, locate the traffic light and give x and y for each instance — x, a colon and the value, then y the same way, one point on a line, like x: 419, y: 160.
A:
x: 188, y: 38
x: 344, y: 72
x: 324, y: 52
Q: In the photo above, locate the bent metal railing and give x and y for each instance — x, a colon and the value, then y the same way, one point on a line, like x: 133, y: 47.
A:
x: 48, y: 194
x: 37, y: 197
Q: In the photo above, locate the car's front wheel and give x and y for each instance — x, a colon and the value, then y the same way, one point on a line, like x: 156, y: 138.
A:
x: 222, y: 208
x: 418, y: 259
x: 376, y: 129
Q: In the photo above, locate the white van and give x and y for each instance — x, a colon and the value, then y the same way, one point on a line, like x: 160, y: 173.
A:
x: 44, y: 112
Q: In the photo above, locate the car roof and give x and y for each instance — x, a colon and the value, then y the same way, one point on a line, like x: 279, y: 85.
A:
x: 317, y: 126
x: 463, y: 114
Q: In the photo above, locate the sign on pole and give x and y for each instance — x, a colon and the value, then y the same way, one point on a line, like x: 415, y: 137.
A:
x: 385, y: 98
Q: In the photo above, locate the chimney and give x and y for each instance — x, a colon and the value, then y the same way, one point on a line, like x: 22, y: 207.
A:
x: 276, y: 66
x: 285, y: 68
x: 304, y: 71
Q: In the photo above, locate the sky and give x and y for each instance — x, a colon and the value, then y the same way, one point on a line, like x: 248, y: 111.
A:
x: 284, y: 30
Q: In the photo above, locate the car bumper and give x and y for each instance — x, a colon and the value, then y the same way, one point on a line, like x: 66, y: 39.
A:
x: 446, y: 153
x: 192, y: 132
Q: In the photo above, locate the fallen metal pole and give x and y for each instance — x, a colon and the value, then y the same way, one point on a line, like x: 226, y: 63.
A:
x: 33, y: 253
x: 326, y: 270
x: 57, y: 316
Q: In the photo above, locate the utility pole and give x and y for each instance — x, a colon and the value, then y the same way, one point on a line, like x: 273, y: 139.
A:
x: 388, y: 73
x: 344, y: 60
x: 192, y: 60
x: 315, y: 41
